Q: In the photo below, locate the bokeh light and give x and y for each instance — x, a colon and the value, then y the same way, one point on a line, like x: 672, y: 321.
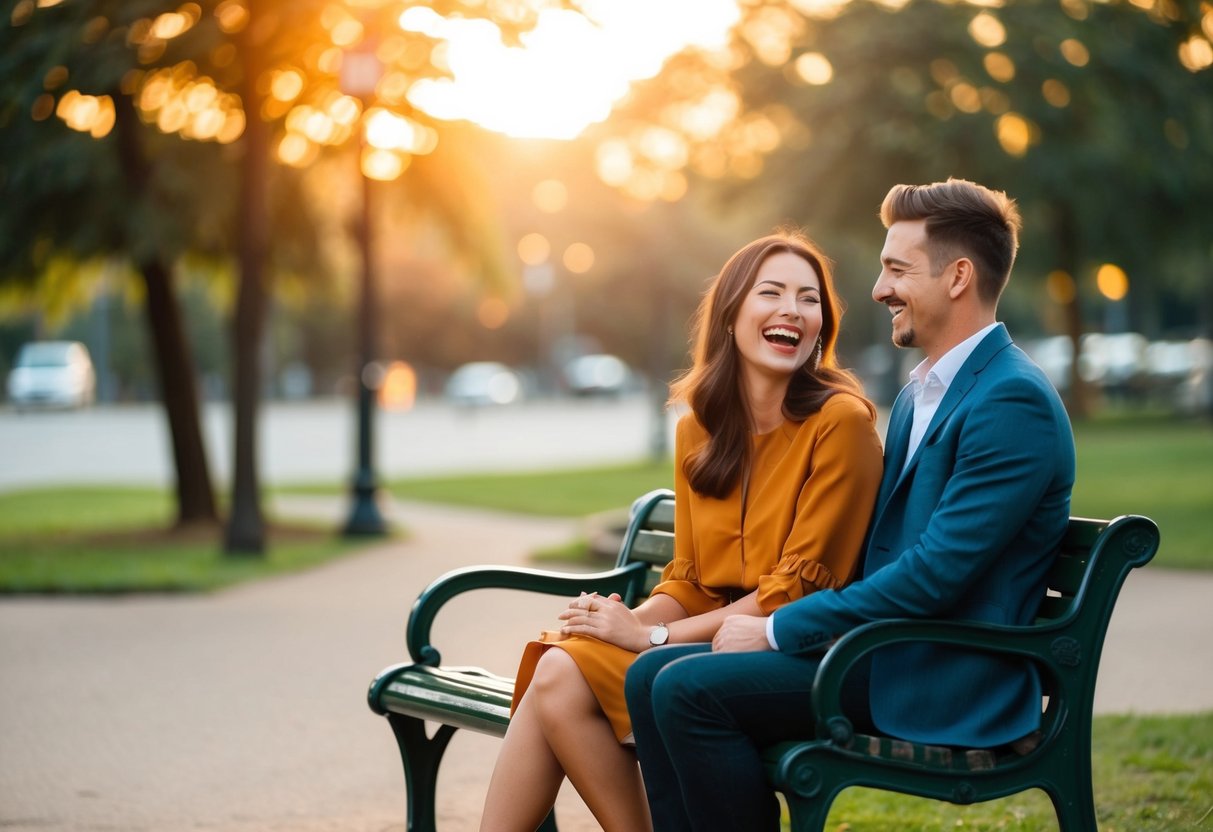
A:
x: 1014, y: 133
x: 1060, y: 287
x: 534, y: 249
x: 578, y: 258
x: 1075, y: 52
x: 1056, y: 93
x: 382, y: 164
x: 987, y: 30
x: 1196, y: 53
x: 492, y: 313
x: 398, y: 387
x: 92, y: 114
x: 1112, y: 281
x: 814, y: 68
x: 999, y: 67
x: 550, y: 196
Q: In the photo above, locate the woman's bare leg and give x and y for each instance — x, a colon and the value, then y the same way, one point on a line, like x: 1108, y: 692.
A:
x: 527, y: 775
x: 578, y: 733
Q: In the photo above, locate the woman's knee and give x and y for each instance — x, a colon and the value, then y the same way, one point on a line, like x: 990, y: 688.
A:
x: 558, y: 683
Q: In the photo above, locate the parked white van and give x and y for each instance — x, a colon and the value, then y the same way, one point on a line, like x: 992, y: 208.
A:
x: 52, y: 374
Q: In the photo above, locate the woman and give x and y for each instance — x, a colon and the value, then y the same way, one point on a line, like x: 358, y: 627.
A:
x: 776, y: 471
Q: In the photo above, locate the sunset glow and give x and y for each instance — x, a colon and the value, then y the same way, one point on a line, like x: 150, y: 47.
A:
x: 569, y: 71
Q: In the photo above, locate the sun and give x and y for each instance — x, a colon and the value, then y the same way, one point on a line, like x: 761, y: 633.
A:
x: 571, y: 68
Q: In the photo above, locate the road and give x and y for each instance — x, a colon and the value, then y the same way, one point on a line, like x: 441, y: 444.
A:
x: 314, y: 441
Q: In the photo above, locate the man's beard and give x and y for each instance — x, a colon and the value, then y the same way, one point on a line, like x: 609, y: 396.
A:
x: 906, y: 339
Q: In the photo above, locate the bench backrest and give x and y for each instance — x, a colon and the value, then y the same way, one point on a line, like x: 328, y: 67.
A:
x: 650, y: 536
x: 650, y: 539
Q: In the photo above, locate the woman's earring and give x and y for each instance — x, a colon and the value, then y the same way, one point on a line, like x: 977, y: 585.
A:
x: 729, y: 329
x: 817, y: 356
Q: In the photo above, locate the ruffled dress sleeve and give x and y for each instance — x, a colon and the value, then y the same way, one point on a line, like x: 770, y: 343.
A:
x: 833, y: 508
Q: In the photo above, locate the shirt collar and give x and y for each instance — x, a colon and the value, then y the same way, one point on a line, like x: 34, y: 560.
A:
x: 946, y: 368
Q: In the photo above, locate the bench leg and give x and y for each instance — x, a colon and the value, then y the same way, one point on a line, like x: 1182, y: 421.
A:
x: 807, y: 815
x: 1074, y: 802
x: 421, y: 756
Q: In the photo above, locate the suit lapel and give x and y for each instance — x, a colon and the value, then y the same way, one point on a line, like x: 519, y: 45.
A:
x: 966, y: 377
x: 901, y: 419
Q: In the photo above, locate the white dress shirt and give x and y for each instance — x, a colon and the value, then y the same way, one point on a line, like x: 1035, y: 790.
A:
x: 930, y: 382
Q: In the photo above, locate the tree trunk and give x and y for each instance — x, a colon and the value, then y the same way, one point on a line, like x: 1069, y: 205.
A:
x: 1078, y: 397
x: 179, y: 393
x: 246, y: 522
x: 174, y: 363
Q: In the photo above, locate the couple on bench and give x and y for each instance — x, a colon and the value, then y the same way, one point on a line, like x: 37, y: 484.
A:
x: 793, y: 526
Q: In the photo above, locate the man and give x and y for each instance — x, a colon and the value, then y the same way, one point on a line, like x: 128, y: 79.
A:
x: 975, y: 497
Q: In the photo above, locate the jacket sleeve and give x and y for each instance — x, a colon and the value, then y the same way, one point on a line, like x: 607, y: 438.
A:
x: 990, y: 478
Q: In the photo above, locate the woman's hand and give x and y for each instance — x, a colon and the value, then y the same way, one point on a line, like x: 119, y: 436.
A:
x: 606, y: 618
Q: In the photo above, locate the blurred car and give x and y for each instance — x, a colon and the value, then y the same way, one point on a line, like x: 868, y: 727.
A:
x: 52, y: 374
x: 596, y: 375
x: 483, y: 383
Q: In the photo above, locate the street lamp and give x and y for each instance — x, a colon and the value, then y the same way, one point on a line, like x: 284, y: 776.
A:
x: 360, y: 73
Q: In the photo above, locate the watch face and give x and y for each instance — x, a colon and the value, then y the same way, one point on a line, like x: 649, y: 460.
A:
x: 659, y: 635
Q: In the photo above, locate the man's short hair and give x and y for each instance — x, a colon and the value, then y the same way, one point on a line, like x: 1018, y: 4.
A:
x: 963, y: 219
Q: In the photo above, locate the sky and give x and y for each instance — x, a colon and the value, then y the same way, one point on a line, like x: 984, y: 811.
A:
x: 571, y: 69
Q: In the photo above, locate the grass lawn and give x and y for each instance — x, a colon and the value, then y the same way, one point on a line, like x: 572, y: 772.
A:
x: 571, y: 493
x: 1151, y: 774
x: 1157, y: 466
x: 104, y: 540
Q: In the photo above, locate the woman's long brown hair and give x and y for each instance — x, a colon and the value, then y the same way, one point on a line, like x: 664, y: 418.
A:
x: 713, y: 388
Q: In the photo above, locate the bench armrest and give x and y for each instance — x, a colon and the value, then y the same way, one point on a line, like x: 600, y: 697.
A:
x: 627, y: 580
x: 1033, y: 642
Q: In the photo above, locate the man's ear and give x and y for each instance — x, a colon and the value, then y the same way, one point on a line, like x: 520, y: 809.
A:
x: 963, y: 278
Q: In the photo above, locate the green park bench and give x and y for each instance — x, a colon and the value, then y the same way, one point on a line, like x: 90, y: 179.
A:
x: 1065, y: 643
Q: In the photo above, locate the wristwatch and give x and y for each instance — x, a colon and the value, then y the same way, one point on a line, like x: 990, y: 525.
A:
x: 659, y: 635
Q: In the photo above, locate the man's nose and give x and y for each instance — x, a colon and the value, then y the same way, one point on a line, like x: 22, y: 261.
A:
x: 880, y: 289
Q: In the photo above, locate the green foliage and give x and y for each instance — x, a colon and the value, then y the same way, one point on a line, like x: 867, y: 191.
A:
x: 133, y: 193
x: 1111, y: 164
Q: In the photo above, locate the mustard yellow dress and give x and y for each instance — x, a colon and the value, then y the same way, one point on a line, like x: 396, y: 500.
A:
x: 811, y: 493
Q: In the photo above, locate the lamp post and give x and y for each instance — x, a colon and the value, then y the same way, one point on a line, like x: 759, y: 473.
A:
x: 360, y: 72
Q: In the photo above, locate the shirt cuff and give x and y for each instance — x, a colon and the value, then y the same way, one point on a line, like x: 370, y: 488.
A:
x: 771, y: 632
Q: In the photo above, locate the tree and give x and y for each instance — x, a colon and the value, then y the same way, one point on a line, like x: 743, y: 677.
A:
x: 222, y: 82
x: 79, y: 196
x: 1095, y: 116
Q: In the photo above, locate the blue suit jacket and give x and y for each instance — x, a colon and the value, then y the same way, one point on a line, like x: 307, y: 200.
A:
x: 967, y: 531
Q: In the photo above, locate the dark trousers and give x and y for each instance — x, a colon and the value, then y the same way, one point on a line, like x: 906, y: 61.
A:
x: 701, y: 719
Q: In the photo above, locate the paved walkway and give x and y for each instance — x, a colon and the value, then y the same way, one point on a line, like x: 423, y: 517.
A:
x: 244, y: 710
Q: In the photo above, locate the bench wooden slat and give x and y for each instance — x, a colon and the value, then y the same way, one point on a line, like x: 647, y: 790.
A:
x: 653, y: 547
x: 466, y: 697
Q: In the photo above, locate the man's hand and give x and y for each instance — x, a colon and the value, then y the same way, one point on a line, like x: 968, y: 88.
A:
x: 741, y: 634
